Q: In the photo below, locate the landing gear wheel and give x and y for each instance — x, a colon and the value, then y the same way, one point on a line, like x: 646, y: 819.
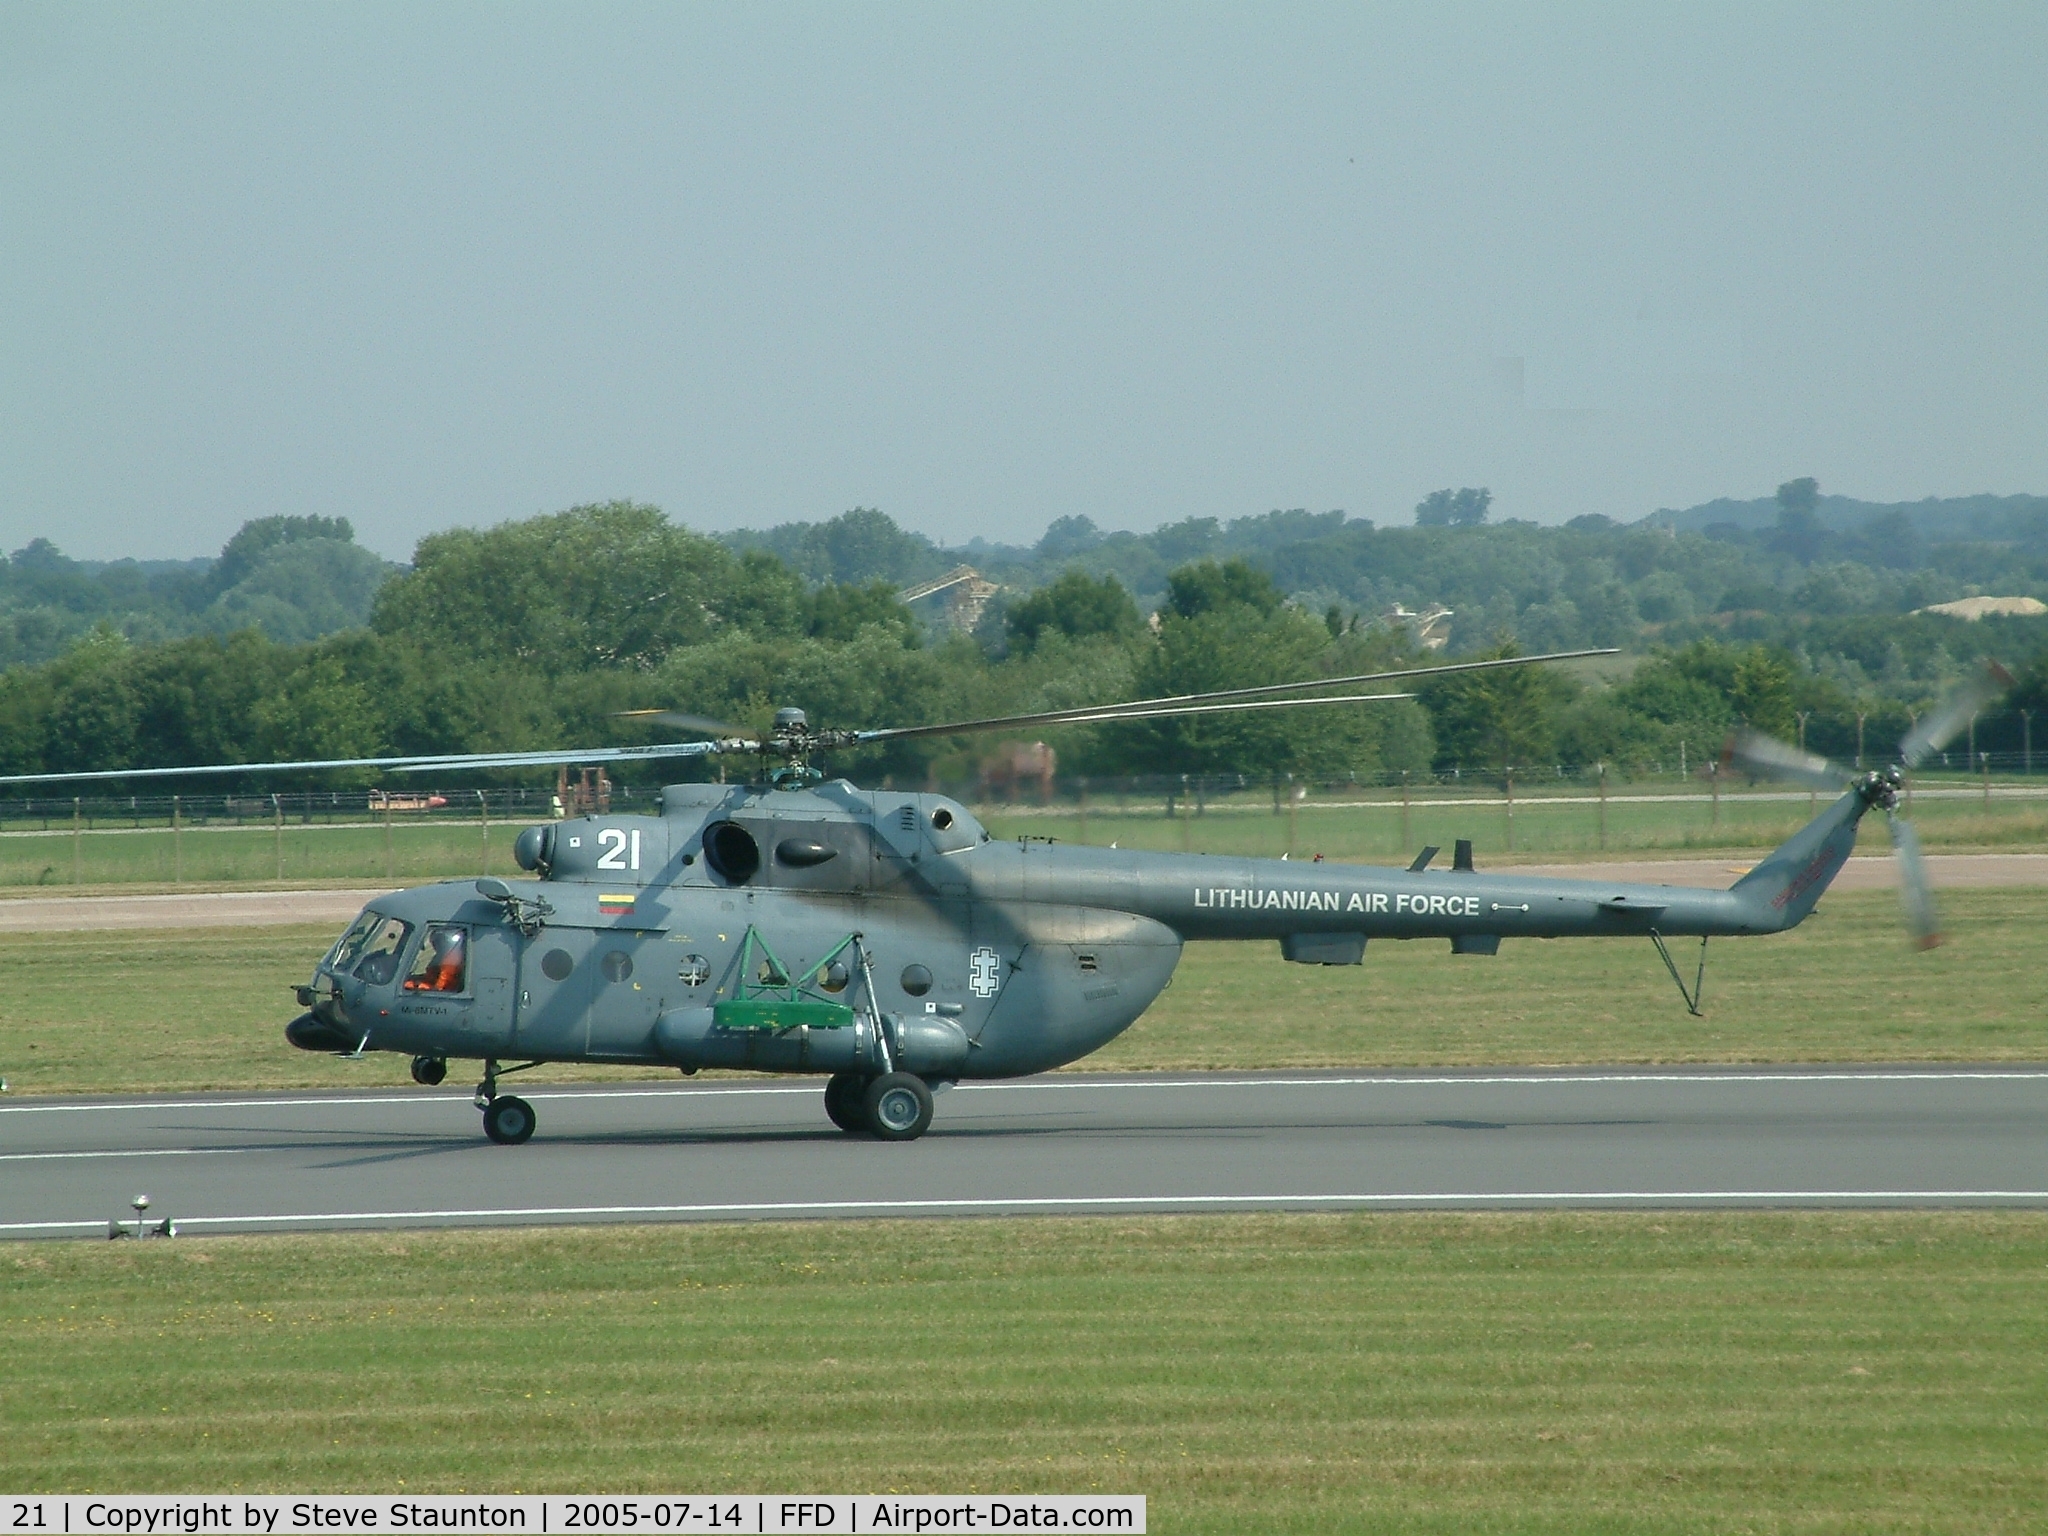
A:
x: 508, y: 1120
x: 429, y: 1071
x: 897, y: 1106
x: 843, y: 1092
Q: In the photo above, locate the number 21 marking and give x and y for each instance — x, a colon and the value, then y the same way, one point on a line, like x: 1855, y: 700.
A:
x: 615, y: 842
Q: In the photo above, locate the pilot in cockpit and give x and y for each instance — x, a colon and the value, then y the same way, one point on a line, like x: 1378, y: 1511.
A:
x: 439, y: 964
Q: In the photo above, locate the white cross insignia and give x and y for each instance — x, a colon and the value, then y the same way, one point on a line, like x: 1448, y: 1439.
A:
x: 984, y: 971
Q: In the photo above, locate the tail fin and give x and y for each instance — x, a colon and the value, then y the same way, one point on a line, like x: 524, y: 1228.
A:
x: 1788, y: 883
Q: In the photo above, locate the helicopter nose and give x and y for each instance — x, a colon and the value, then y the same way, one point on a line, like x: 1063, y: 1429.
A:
x: 311, y: 1034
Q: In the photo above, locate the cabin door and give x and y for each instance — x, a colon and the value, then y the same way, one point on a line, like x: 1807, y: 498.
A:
x: 556, y: 985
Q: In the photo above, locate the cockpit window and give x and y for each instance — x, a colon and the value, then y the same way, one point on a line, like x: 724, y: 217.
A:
x: 349, y: 947
x: 379, y: 952
x: 442, y: 965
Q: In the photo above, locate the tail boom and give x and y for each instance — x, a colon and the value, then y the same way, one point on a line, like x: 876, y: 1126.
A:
x: 1205, y: 897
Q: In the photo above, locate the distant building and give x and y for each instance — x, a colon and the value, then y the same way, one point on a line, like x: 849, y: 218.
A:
x: 1431, y: 627
x: 956, y: 599
x: 1974, y: 608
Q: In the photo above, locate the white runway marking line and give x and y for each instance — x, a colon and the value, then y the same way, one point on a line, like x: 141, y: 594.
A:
x: 44, y: 1157
x: 540, y: 1095
x: 1532, y: 1080
x: 1105, y: 1202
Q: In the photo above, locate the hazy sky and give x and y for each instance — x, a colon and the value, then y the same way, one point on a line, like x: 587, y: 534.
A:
x: 983, y: 266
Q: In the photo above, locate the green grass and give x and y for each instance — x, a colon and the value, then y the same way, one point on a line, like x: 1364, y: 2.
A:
x: 413, y: 851
x: 156, y: 857
x: 1808, y: 1372
x: 128, y: 1011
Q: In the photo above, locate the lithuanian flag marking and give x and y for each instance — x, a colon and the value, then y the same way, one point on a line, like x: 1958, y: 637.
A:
x: 614, y: 906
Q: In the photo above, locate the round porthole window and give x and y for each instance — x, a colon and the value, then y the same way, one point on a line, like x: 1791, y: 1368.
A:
x: 942, y: 819
x: 556, y: 965
x: 694, y: 971
x: 835, y: 977
x: 617, y: 965
x: 916, y: 980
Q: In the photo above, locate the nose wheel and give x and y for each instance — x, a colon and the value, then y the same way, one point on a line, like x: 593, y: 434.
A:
x: 509, y: 1120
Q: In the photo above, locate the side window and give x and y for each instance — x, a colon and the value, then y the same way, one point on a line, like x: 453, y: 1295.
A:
x: 379, y: 964
x: 442, y: 964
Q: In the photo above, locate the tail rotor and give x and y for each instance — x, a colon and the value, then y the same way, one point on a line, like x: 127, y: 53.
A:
x: 1765, y: 757
x: 1916, y: 891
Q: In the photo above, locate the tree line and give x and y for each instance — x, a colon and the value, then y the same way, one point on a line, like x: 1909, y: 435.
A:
x: 535, y: 634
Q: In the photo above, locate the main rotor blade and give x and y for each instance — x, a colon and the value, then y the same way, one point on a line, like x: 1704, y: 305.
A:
x: 417, y: 764
x: 1112, y: 716
x: 1938, y: 728
x: 1766, y: 757
x: 1136, y: 709
x: 1916, y: 894
x: 704, y: 727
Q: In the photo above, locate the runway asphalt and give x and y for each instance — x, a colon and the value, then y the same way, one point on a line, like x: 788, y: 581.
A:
x: 1067, y: 1143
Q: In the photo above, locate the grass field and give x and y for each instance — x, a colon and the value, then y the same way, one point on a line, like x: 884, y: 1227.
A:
x: 416, y: 851
x: 1809, y: 1372
x: 245, y: 857
x: 131, y: 1012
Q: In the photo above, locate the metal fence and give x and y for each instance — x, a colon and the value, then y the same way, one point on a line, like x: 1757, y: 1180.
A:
x: 1169, y: 793
x: 301, y: 808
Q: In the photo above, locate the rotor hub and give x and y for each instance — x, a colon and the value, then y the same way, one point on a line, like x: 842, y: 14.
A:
x: 1880, y: 788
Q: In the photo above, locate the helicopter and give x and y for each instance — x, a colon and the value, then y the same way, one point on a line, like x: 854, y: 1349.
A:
x: 886, y: 940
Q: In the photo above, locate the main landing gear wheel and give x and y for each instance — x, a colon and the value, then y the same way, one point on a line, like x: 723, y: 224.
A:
x: 897, y: 1106
x: 843, y: 1093
x: 508, y: 1120
x: 428, y: 1071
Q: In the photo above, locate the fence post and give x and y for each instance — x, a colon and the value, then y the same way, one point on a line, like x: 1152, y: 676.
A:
x: 1985, y: 759
x: 2027, y: 741
x: 1405, y: 843
x: 1860, y: 718
x: 77, y: 852
x: 390, y: 858
x: 1603, y: 807
x: 1511, y: 809
x: 483, y: 811
x: 277, y: 808
x: 177, y: 845
x: 1291, y: 806
x: 1714, y: 778
x: 1081, y: 787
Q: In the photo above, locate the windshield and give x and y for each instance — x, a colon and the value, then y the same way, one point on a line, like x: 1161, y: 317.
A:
x: 349, y: 947
x: 369, y: 950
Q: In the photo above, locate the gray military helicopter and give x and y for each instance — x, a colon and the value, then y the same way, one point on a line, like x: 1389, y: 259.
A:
x: 798, y: 924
